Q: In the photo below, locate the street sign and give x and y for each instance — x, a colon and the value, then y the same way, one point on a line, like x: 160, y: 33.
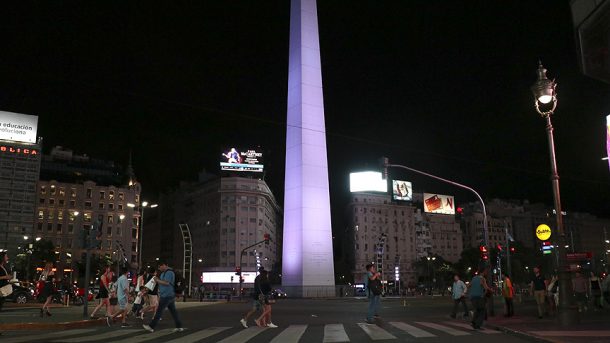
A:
x: 543, y: 232
x: 546, y: 252
x: 579, y: 256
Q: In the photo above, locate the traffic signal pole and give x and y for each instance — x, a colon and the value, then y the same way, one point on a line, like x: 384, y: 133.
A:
x: 241, y: 254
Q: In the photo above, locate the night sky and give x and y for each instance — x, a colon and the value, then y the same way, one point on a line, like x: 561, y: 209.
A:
x: 441, y: 86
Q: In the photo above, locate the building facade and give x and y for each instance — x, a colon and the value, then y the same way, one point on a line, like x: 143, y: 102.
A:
x: 224, y: 216
x: 19, y: 172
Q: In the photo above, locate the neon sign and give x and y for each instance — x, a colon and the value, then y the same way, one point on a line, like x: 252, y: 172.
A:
x: 14, y: 150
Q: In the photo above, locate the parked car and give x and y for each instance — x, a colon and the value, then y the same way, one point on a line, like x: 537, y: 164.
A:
x: 20, y: 295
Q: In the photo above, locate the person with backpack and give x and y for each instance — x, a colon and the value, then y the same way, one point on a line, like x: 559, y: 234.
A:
x: 477, y: 290
x: 167, y: 298
x: 373, y: 286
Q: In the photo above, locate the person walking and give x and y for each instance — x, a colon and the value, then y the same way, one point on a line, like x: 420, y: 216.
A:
x: 104, y: 293
x: 581, y: 291
x: 257, y: 305
x: 265, y: 292
x: 153, y: 292
x: 458, y: 294
x: 553, y: 294
x: 595, y: 286
x: 477, y: 291
x: 167, y: 298
x: 373, y: 286
x: 508, y: 292
x: 5, y: 276
x: 538, y: 290
x: 47, y: 277
x: 122, y: 286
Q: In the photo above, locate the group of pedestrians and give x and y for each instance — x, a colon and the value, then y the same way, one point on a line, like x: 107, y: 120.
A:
x: 261, y: 301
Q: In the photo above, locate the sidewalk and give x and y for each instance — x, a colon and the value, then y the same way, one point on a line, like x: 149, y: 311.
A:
x: 27, y: 316
x: 594, y: 326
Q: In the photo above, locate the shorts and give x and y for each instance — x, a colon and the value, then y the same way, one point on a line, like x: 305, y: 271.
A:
x: 256, y: 305
x: 153, y: 300
x: 122, y: 303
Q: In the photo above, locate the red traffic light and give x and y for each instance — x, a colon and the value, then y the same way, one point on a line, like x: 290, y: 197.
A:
x: 237, y: 270
x: 483, y: 248
x: 512, y: 249
x: 267, y: 238
x: 546, y: 243
x: 500, y: 247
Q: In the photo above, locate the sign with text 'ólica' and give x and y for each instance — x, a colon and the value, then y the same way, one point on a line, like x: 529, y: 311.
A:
x: 543, y: 232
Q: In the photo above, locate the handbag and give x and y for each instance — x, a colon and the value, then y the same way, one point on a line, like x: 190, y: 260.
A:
x: 7, y: 289
x: 151, y: 284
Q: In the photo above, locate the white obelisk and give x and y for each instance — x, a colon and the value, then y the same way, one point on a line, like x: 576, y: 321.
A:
x: 307, y: 259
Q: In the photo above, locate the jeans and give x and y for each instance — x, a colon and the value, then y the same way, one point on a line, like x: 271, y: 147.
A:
x: 374, y: 301
x: 510, y: 309
x: 170, y: 303
x: 478, y: 303
x: 456, y: 304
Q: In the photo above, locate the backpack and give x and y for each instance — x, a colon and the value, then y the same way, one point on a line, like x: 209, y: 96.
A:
x: 375, y: 286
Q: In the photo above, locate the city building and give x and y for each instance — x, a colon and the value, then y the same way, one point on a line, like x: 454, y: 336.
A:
x: 224, y: 216
x: 66, y: 206
x: 20, y: 156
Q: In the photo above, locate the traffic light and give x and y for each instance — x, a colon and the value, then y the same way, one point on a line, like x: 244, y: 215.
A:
x: 237, y: 270
x: 484, y: 252
x: 512, y: 249
x: 499, y: 247
x: 267, y: 237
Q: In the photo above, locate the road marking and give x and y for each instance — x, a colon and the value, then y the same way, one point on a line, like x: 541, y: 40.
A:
x: 291, y: 334
x: 412, y: 330
x: 243, y: 335
x: 599, y: 333
x: 50, y: 335
x: 147, y: 336
x: 375, y: 332
x: 466, y: 326
x: 103, y: 336
x: 335, y: 333
x: 445, y: 329
x: 199, y: 335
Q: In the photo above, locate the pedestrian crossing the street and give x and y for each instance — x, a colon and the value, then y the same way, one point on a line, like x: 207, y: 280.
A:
x: 333, y: 332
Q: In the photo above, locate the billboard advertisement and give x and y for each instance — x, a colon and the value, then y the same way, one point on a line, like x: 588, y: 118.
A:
x: 402, y: 190
x: 18, y: 127
x: 436, y: 203
x: 242, y: 160
x: 226, y: 277
x: 368, y: 181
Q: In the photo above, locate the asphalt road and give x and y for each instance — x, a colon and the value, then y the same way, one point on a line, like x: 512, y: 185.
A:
x: 334, y: 320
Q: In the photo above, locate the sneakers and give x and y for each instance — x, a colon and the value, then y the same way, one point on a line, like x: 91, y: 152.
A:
x: 125, y: 325
x: 271, y: 325
x: 243, y: 323
x: 178, y: 329
x: 369, y: 321
x: 148, y: 328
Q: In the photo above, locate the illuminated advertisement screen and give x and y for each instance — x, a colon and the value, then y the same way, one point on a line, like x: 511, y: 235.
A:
x: 436, y: 203
x: 367, y: 182
x: 242, y: 160
x: 402, y: 190
x: 18, y: 127
x: 225, y: 277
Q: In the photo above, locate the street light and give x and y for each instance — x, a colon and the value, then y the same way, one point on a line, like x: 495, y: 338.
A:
x: 545, y: 95
x: 141, y: 234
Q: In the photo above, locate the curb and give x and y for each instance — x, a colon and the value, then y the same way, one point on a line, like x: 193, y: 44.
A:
x: 52, y: 326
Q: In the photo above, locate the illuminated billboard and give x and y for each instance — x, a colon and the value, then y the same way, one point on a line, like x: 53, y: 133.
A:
x: 18, y: 127
x: 436, y: 203
x: 402, y: 190
x: 242, y: 160
x: 369, y: 181
x: 227, y: 277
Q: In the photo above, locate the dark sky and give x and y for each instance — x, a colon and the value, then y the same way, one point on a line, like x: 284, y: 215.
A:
x: 441, y: 86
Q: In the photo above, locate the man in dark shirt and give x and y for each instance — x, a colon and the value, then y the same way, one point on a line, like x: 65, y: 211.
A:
x: 538, y: 289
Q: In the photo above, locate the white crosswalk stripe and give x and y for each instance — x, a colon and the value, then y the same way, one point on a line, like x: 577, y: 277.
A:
x: 467, y: 326
x: 412, y: 330
x: 334, y: 333
x: 48, y: 335
x: 375, y: 332
x: 291, y: 334
x: 445, y: 329
x: 104, y: 336
x: 199, y: 335
x: 146, y: 337
x: 243, y: 335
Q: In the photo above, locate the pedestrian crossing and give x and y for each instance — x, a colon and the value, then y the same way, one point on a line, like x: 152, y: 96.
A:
x: 331, y: 333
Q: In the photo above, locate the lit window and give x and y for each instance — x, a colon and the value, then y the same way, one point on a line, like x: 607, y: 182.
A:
x: 72, y: 192
x: 52, y: 192
x: 111, y: 195
x: 110, y: 219
x: 121, y: 196
x: 43, y: 190
x: 62, y: 192
x: 87, y: 217
x: 60, y: 215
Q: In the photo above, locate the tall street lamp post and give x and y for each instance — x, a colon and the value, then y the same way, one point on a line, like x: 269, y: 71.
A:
x: 545, y: 101
x: 29, y: 250
x: 141, y: 233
